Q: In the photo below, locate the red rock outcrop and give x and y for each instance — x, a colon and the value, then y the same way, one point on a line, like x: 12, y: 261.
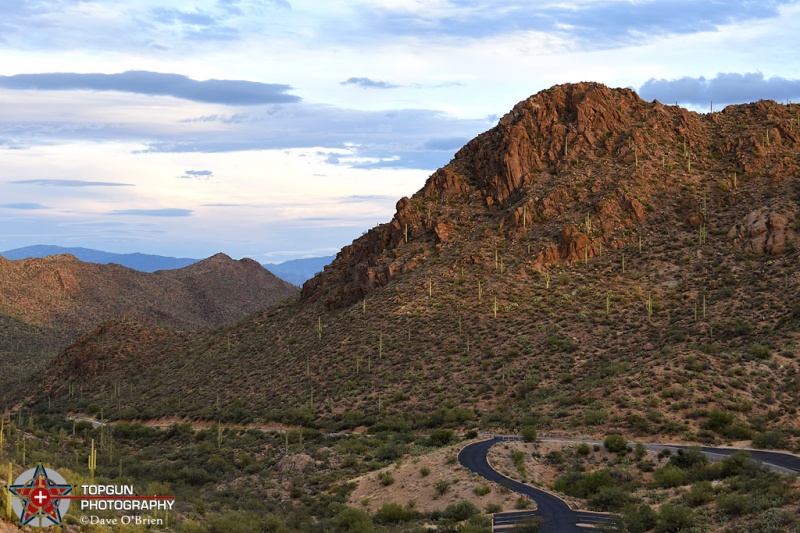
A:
x: 566, y: 153
x: 766, y: 232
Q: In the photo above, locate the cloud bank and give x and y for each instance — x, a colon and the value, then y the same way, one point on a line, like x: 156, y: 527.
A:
x: 166, y: 212
x: 368, y: 83
x: 229, y: 92
x: 71, y: 183
x: 724, y: 88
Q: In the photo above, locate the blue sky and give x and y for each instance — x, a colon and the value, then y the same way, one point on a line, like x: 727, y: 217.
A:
x: 279, y: 129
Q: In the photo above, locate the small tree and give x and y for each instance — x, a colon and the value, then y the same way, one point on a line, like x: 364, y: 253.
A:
x: 442, y: 486
x: 529, y: 433
x: 616, y: 443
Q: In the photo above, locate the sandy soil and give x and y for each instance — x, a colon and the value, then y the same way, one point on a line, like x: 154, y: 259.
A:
x: 410, y: 485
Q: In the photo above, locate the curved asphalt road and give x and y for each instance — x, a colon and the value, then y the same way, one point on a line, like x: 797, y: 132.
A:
x: 557, y: 514
x: 559, y: 518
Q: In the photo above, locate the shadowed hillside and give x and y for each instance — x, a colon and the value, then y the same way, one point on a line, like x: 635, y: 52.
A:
x: 594, y: 262
x: 47, y: 303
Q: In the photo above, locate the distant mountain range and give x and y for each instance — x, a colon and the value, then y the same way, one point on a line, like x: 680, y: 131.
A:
x: 296, y: 271
x: 47, y: 303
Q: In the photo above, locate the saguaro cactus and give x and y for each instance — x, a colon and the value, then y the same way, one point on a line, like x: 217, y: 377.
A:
x: 92, y: 462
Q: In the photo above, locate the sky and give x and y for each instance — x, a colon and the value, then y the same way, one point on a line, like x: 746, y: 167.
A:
x: 283, y: 129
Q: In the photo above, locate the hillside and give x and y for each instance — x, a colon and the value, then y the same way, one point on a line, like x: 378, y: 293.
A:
x: 592, y: 263
x: 47, y: 303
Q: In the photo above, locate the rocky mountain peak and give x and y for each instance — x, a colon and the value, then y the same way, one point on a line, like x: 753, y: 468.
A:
x: 574, y: 169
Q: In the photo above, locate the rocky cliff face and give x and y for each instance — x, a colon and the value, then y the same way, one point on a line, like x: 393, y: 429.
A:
x: 575, y: 170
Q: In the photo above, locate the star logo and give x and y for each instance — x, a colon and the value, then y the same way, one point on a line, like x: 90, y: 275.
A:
x: 38, y: 496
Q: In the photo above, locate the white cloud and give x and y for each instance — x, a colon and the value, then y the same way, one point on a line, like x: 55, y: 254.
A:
x: 301, y: 176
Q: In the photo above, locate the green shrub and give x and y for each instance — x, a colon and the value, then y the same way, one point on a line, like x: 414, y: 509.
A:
x: 492, y: 508
x: 442, y: 486
x: 640, y: 451
x: 582, y: 485
x: 738, y: 463
x: 460, y: 511
x: 190, y: 526
x: 612, y: 499
x: 670, y: 476
x: 442, y: 437
x: 687, y: 458
x: 519, y: 461
x: 595, y: 417
x: 639, y: 519
x: 771, y: 440
x: 385, y: 478
x: 772, y: 520
x: 236, y: 522
x: 529, y: 525
x: 758, y: 351
x: 615, y: 443
x: 699, y: 494
x: 734, y: 504
x: 353, y: 521
x: 391, y: 512
x: 529, y: 433
x: 718, y: 420
x: 482, y: 490
x: 675, y: 518
x: 424, y: 471
x: 583, y: 450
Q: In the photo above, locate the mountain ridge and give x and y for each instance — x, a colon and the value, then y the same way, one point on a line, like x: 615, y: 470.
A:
x: 593, y: 263
x: 44, y: 303
x: 295, y: 271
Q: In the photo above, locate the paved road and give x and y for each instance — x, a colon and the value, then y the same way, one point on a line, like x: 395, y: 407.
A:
x: 559, y: 518
x: 557, y: 514
x: 783, y: 462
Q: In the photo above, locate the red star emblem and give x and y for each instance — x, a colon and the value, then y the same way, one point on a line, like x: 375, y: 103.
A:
x: 40, y: 498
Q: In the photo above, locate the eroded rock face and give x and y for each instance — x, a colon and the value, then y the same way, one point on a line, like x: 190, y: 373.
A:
x: 569, y: 152
x: 766, y: 232
x: 294, y: 463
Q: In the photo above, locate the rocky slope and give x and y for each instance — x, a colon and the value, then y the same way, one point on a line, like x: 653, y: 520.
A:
x: 46, y: 303
x: 575, y: 170
x: 593, y: 263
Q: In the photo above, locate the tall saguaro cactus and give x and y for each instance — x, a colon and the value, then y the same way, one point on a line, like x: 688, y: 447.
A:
x: 92, y: 462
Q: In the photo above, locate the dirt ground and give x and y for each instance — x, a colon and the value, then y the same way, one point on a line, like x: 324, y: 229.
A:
x: 411, y: 486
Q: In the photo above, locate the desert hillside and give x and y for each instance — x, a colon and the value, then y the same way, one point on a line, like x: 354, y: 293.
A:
x: 594, y: 262
x: 49, y: 302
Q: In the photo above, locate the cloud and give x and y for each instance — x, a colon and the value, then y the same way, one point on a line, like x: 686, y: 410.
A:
x: 724, y: 88
x: 592, y: 25
x: 401, y: 138
x: 358, y: 198
x: 368, y: 83
x: 72, y: 183
x: 25, y: 206
x: 167, y: 212
x: 229, y: 92
x: 170, y: 15
x: 446, y: 144
x: 197, y: 175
